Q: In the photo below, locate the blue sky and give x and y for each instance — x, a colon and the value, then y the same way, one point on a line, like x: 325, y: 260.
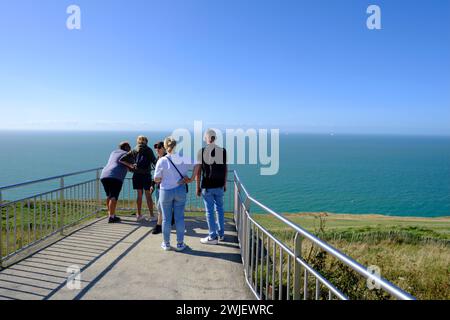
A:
x: 308, y: 66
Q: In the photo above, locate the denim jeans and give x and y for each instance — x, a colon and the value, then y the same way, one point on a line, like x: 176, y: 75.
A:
x: 213, y: 199
x: 158, y: 204
x: 172, y: 202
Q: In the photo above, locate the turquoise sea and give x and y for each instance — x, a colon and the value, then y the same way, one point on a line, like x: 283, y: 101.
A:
x: 360, y: 174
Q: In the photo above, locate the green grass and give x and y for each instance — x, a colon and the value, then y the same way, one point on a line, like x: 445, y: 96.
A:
x: 25, y: 223
x: 413, y: 253
x: 439, y: 227
x: 29, y: 222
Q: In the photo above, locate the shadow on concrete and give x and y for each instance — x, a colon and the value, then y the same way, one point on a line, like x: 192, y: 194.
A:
x: 232, y: 257
x: 198, y: 223
x: 109, y: 267
x: 44, y: 273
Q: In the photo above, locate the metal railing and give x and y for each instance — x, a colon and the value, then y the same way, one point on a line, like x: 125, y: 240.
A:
x: 31, y: 219
x: 127, y: 198
x: 276, y: 270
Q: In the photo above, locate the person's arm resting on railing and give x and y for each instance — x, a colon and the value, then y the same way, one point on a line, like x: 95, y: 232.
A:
x: 127, y: 159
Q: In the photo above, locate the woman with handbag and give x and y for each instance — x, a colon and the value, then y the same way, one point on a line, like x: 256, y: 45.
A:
x: 171, y: 173
x: 161, y: 152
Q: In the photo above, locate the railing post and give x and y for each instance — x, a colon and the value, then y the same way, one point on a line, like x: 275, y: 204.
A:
x: 243, y: 237
x: 236, y: 197
x: 236, y: 213
x: 61, y: 202
x: 248, y: 244
x: 297, y: 272
x: 97, y: 192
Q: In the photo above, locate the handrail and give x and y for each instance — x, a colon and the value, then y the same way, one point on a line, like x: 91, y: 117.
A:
x: 304, y: 264
x: 89, y: 190
x: 32, y: 219
x: 10, y: 203
x: 50, y: 209
x: 385, y: 284
x: 337, y: 254
x: 12, y: 186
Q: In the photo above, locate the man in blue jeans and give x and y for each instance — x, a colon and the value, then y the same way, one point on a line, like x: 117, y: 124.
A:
x: 212, y: 161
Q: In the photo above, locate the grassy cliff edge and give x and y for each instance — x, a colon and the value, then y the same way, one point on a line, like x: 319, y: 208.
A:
x: 413, y: 253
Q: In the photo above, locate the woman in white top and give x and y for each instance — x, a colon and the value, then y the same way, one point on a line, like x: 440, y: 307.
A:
x: 171, y: 172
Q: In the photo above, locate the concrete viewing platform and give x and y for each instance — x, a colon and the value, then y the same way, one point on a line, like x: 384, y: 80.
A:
x: 125, y: 261
x: 48, y: 237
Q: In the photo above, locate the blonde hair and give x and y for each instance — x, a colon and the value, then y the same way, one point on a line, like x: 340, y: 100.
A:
x: 142, y: 140
x: 169, y: 144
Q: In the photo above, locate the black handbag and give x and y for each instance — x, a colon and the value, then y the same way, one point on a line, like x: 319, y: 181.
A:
x: 182, y: 177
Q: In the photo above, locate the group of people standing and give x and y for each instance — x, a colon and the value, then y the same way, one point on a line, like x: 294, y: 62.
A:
x: 170, y: 184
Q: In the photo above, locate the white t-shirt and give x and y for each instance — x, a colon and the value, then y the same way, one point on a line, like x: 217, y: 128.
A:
x: 168, y: 174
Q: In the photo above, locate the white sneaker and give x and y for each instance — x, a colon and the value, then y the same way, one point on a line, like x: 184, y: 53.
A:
x: 208, y: 240
x: 152, y: 219
x: 181, y: 247
x: 221, y: 238
x: 140, y: 218
x: 166, y: 246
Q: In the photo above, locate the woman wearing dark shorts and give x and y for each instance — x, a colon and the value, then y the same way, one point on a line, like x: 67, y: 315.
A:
x: 112, y: 178
x: 141, y: 181
x: 140, y: 160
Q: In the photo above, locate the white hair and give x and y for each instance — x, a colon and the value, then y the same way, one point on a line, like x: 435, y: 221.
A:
x: 210, y: 135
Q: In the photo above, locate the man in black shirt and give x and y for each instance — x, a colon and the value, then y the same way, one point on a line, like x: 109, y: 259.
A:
x: 211, y: 185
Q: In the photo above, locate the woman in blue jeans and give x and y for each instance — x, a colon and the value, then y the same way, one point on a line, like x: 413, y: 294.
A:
x: 171, y: 173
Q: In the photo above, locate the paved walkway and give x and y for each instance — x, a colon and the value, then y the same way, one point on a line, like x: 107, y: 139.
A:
x: 125, y: 261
